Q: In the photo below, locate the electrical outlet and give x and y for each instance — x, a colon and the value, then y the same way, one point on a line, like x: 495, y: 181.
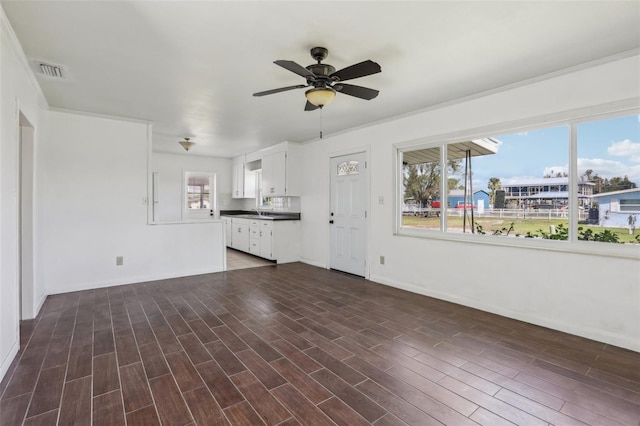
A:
x: 382, y: 260
x: 119, y: 260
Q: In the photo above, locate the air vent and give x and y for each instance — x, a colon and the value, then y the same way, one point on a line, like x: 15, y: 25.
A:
x: 51, y: 70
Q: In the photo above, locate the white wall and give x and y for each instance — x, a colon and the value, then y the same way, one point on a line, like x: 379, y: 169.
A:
x: 171, y: 168
x: 588, y: 295
x: 18, y: 90
x: 94, y: 195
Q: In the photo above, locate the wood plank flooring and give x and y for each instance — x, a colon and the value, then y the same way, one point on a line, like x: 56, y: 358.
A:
x: 295, y: 344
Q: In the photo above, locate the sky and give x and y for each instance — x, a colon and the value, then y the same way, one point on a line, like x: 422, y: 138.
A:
x: 608, y: 147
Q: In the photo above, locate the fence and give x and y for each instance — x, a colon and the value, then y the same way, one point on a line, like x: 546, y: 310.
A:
x: 498, y: 213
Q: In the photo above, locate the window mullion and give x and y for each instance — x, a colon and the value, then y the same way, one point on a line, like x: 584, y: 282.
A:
x: 444, y: 188
x: 573, y: 183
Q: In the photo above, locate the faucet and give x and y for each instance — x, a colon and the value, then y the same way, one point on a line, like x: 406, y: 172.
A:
x: 257, y: 212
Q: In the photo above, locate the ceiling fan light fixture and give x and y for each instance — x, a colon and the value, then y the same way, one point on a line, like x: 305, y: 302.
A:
x: 321, y: 96
x: 186, y: 144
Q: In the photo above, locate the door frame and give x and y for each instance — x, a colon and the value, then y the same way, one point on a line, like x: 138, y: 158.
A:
x: 366, y: 149
x: 25, y: 220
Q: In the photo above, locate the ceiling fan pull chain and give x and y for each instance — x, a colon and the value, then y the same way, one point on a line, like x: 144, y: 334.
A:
x: 321, y: 122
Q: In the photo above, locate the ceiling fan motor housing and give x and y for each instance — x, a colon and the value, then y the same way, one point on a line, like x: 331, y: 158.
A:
x: 319, y: 53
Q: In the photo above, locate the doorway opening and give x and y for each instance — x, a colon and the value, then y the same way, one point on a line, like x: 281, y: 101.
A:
x: 26, y: 293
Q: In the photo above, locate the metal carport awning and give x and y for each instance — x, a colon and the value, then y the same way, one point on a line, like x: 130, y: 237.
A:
x: 455, y: 151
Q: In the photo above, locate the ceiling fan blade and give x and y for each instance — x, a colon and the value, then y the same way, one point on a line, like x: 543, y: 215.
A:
x: 282, y: 89
x: 362, y: 69
x: 310, y: 107
x: 296, y: 68
x: 357, y: 91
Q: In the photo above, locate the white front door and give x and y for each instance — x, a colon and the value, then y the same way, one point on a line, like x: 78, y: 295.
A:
x: 349, y: 183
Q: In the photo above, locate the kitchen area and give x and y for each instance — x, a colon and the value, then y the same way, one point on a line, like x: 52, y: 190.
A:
x: 270, y: 227
x: 256, y: 197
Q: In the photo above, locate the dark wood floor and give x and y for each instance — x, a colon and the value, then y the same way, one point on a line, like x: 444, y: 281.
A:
x: 295, y: 344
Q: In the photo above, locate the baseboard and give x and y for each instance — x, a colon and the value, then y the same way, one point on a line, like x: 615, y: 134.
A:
x: 132, y: 280
x: 40, y: 303
x: 6, y: 362
x: 589, y: 333
x: 313, y: 263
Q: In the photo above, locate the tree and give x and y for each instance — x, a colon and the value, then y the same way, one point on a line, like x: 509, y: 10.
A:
x: 616, y: 183
x: 422, y: 181
x: 557, y: 174
x: 493, y: 185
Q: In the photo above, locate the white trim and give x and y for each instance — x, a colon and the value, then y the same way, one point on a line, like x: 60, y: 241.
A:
x: 313, y: 263
x: 135, y: 280
x: 98, y: 115
x: 149, y: 165
x: 6, y: 362
x: 11, y: 36
x: 588, y: 332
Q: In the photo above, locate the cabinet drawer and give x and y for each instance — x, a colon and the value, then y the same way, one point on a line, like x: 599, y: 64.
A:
x: 266, y: 224
x: 254, y: 231
x: 254, y: 246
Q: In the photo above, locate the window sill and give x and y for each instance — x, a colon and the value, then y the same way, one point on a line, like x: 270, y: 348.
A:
x: 621, y: 251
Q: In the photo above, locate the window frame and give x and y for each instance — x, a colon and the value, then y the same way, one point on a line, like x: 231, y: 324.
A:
x: 569, y: 118
x: 213, y: 196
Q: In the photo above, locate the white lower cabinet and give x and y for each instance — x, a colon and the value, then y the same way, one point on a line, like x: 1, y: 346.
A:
x: 277, y: 240
x: 228, y: 230
x: 266, y: 239
x: 240, y: 234
x: 254, y: 237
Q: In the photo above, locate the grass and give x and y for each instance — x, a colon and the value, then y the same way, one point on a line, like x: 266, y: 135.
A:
x: 520, y: 226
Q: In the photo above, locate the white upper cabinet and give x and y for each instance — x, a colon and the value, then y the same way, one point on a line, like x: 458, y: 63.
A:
x: 274, y: 175
x: 237, y: 178
x: 280, y: 177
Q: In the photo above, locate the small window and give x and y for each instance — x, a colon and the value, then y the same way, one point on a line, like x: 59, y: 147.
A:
x: 348, y: 168
x: 199, y: 194
x: 630, y: 205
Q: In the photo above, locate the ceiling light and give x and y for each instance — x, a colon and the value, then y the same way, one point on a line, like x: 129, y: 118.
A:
x: 320, y: 96
x: 186, y: 144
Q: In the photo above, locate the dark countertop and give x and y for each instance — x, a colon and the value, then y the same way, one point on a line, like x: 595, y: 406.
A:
x: 264, y: 215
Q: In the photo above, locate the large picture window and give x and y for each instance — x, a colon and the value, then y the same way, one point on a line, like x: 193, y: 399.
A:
x: 524, y: 185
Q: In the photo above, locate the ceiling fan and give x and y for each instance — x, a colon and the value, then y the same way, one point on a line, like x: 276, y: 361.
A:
x: 326, y: 81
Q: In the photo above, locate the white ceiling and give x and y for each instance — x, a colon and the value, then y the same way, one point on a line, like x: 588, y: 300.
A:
x: 191, y: 67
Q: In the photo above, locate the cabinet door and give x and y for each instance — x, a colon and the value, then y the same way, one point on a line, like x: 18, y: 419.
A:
x: 267, y: 181
x: 279, y: 176
x: 266, y: 240
x: 240, y: 237
x: 237, y: 187
x: 274, y: 175
x: 228, y: 231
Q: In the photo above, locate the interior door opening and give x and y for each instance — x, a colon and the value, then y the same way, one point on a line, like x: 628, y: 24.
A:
x: 26, y: 296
